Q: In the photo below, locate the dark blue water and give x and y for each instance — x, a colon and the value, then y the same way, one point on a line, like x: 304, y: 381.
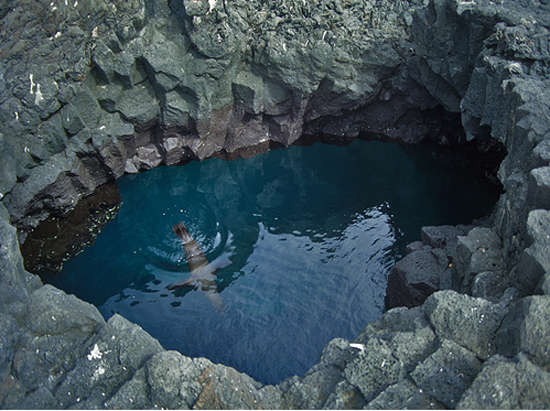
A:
x: 312, y: 233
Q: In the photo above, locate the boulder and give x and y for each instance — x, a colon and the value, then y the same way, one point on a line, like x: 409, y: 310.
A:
x: 215, y: 34
x: 146, y: 158
x: 133, y: 394
x: 398, y: 319
x: 39, y: 399
x: 82, y: 111
x: 248, y: 92
x: 8, y: 168
x: 225, y: 388
x: 389, y: 349
x: 426, y: 268
x: 72, y: 123
x: 447, y: 373
x: 490, y: 285
x: 56, y: 186
x: 173, y: 379
x: 508, y: 384
x: 133, y: 345
x: 164, y: 59
x: 415, y: 277
x: 345, y: 396
x: 197, y: 8
x: 525, y: 328
x: 374, y: 369
x: 111, y: 358
x: 539, y: 187
x: 479, y: 251
x: 55, y: 330
x: 404, y: 395
x: 444, y: 236
x: 52, y: 312
x: 469, y: 322
x: 408, y: 332
x: 540, y: 157
x: 43, y: 361
x: 544, y: 285
x: 13, y: 303
x: 178, y: 109
x: 313, y: 389
x: 12, y: 273
x: 247, y: 135
x: 534, y: 261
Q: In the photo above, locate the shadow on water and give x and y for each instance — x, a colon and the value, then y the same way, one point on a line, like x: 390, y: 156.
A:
x: 312, y: 233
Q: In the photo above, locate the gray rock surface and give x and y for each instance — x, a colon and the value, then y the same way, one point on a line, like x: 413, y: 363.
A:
x: 90, y: 90
x: 525, y: 329
x: 534, y: 261
x: 508, y: 384
x: 404, y: 395
x: 543, y: 286
x: 316, y: 387
x: 426, y: 268
x: 471, y: 322
x: 478, y: 252
x: 12, y: 273
x: 415, y: 277
x: 447, y: 373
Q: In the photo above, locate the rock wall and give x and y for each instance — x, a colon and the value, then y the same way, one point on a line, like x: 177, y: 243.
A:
x: 91, y: 90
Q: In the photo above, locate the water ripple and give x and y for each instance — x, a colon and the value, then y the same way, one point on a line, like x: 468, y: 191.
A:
x: 311, y: 242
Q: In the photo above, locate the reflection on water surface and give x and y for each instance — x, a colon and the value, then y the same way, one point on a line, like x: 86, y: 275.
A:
x: 312, y: 233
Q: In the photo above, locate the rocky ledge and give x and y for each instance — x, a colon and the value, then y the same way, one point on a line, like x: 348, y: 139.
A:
x: 92, y: 90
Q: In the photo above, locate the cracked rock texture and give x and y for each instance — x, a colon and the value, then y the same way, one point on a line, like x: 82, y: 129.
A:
x: 90, y: 90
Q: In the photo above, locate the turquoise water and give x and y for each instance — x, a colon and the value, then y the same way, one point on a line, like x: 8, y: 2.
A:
x: 311, y: 233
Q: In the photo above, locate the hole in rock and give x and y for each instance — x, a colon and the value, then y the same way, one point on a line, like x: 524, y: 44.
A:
x: 311, y: 232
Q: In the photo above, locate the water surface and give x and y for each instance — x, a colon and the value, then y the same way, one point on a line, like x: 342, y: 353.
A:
x: 312, y: 233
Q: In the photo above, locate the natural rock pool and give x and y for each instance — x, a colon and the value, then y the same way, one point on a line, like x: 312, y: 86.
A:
x: 311, y: 232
